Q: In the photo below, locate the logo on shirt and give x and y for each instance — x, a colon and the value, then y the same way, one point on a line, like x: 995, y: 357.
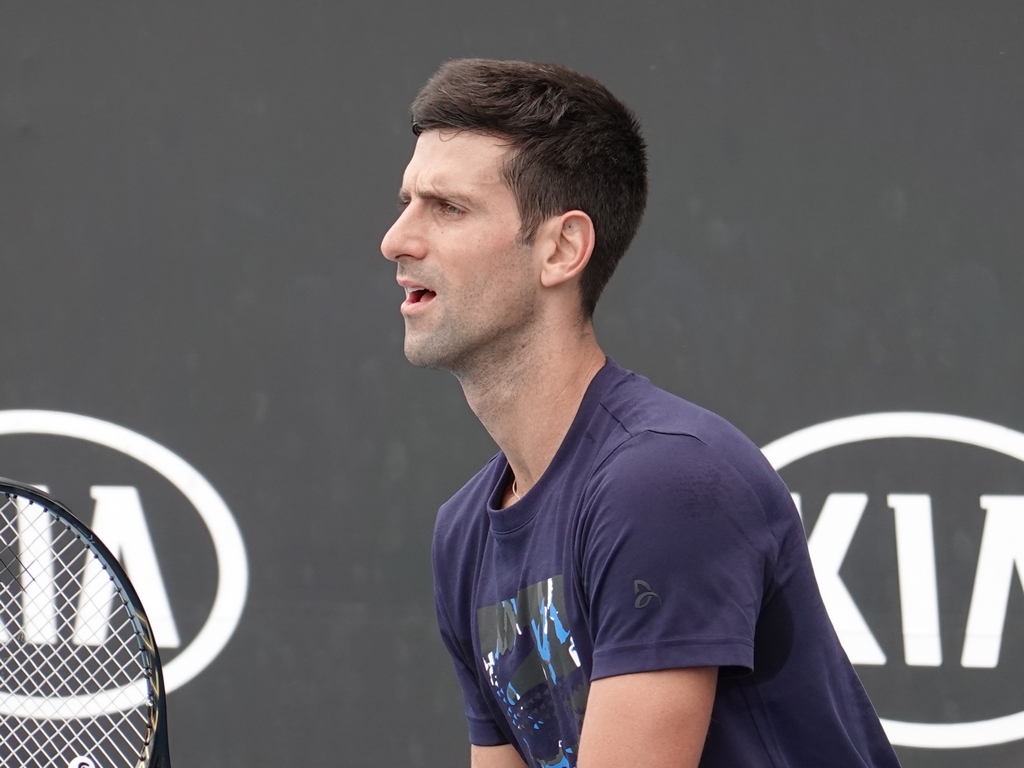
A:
x: 644, y: 594
x: 534, y: 671
x: 916, y: 533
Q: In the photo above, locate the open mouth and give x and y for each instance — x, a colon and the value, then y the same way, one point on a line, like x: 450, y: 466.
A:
x: 416, y: 298
x: 420, y: 295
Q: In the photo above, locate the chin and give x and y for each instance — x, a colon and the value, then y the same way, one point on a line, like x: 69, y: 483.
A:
x: 441, y: 353
x: 420, y: 360
x: 423, y: 354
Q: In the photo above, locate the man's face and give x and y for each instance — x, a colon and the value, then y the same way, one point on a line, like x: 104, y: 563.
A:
x: 470, y: 286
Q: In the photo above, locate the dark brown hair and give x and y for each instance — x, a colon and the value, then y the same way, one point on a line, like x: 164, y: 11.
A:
x: 573, y: 146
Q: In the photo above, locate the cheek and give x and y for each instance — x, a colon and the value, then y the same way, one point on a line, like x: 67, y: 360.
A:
x: 490, y: 266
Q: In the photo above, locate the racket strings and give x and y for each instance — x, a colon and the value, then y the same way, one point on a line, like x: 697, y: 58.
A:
x: 75, y: 674
x: 108, y: 741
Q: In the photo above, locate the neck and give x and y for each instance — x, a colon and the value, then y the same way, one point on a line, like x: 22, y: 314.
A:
x: 527, y: 401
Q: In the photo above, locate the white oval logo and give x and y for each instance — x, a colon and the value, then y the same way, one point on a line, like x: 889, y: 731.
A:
x: 229, y: 549
x: 936, y: 426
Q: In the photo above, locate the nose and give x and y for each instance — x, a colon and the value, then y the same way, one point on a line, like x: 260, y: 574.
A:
x: 403, y: 239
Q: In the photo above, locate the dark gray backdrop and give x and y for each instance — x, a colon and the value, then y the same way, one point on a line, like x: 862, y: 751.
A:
x: 191, y: 202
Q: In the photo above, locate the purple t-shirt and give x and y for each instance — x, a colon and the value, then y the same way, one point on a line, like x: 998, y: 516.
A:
x: 658, y: 538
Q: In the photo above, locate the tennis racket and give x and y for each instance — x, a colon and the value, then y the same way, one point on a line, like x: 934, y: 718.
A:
x: 80, y: 679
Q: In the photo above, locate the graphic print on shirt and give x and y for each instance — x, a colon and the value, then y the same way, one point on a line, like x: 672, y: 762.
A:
x: 535, y: 673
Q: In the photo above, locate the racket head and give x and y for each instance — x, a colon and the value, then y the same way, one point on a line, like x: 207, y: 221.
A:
x: 80, y: 677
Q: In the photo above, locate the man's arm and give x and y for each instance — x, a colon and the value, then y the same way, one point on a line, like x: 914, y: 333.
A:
x: 654, y: 719
x: 504, y: 756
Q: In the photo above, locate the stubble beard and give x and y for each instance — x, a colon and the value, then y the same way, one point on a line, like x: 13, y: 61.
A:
x: 476, y: 348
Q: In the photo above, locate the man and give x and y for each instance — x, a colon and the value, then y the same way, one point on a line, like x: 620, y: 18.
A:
x: 627, y: 582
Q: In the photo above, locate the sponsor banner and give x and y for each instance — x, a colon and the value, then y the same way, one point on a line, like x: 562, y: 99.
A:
x: 166, y: 524
x: 916, y: 530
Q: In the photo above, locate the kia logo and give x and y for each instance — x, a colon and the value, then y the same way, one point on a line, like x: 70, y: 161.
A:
x: 119, y: 520
x: 999, y: 557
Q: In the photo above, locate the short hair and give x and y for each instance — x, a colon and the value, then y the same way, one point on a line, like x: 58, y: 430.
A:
x: 573, y: 146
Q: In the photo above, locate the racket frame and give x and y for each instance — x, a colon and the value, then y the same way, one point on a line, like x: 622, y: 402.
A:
x: 159, y: 755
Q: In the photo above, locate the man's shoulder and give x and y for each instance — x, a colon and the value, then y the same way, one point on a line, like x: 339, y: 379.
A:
x: 641, y: 408
x: 467, y: 507
x: 666, y: 440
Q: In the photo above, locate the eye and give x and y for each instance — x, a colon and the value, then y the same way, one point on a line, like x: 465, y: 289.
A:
x: 447, y: 209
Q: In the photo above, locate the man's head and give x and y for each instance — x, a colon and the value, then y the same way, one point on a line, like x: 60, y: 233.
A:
x: 572, y: 146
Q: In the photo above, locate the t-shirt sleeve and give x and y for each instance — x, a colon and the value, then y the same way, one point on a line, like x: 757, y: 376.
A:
x: 675, y: 555
x: 483, y: 729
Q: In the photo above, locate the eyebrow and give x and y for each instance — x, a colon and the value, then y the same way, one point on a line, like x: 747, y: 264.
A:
x: 434, y: 193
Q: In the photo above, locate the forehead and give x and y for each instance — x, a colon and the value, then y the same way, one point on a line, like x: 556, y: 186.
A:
x: 444, y: 159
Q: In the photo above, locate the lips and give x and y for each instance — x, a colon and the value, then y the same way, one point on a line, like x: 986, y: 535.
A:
x: 416, y: 296
x: 420, y: 295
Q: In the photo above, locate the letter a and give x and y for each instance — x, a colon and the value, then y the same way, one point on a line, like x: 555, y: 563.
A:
x: 118, y: 521
x: 1002, y: 547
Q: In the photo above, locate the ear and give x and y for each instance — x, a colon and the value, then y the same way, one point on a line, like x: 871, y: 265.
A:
x: 568, y: 242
